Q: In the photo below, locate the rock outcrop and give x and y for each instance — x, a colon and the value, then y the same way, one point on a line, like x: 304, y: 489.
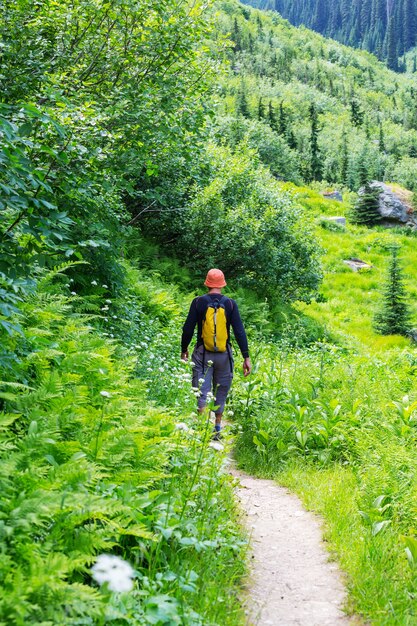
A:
x: 394, y: 205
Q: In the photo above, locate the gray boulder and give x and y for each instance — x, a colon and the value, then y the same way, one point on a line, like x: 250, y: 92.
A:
x: 356, y: 264
x: 395, y: 206
x: 336, y: 219
x: 333, y: 195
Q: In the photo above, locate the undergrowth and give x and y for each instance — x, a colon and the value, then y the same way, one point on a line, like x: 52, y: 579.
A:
x: 100, y: 453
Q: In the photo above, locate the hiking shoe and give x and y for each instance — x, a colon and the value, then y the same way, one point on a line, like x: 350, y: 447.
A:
x: 216, y: 436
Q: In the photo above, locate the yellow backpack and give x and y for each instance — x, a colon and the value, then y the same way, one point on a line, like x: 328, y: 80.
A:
x: 214, y: 330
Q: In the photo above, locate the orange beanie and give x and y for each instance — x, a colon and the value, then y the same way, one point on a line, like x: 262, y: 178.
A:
x: 215, y: 278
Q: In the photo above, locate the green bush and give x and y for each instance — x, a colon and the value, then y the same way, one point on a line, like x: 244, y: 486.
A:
x: 242, y: 222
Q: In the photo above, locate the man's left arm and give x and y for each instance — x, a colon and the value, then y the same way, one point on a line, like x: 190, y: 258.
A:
x: 241, y: 338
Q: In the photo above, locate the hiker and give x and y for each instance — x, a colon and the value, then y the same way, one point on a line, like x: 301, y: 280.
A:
x: 214, y: 313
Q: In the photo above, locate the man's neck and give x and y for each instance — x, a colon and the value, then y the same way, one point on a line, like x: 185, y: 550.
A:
x: 215, y: 290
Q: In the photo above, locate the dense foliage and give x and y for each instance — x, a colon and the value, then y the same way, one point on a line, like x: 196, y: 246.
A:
x: 95, y: 99
x: 386, y: 28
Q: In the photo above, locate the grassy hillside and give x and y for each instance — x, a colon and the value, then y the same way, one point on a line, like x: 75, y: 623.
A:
x: 348, y: 300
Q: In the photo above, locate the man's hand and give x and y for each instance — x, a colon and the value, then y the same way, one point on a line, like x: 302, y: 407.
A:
x: 184, y: 356
x: 247, y: 367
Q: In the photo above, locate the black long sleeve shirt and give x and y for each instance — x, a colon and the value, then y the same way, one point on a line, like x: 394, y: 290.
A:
x: 195, y: 318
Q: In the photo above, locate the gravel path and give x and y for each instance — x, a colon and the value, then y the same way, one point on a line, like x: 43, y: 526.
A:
x: 292, y: 582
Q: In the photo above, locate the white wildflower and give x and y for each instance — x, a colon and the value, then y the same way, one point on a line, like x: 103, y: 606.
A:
x: 105, y: 308
x: 181, y: 426
x: 230, y: 413
x: 114, y: 571
x: 210, y: 363
x: 195, y: 389
x: 73, y: 293
x: 108, y: 301
x: 201, y: 380
x: 104, y: 286
x: 94, y: 283
x: 216, y: 445
x: 192, y: 363
x: 105, y: 394
x: 161, y: 369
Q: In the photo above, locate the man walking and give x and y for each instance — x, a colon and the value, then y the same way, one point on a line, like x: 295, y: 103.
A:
x: 214, y: 314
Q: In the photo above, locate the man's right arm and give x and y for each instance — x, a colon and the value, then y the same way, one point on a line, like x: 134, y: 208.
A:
x: 188, y: 329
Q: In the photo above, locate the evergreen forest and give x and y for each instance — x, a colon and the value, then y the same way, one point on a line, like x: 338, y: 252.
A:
x: 387, y: 28
x: 142, y: 144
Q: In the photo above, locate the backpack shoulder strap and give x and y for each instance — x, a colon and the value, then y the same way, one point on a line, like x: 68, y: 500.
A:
x: 202, y: 303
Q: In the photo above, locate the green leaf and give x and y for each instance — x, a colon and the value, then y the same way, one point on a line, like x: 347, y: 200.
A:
x: 377, y: 527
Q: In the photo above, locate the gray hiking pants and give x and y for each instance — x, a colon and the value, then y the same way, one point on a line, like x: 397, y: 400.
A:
x: 217, y: 377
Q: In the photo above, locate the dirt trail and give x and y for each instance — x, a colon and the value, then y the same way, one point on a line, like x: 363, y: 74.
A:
x: 292, y: 582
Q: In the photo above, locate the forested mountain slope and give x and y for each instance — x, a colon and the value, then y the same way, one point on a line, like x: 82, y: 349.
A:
x: 386, y: 27
x: 314, y: 109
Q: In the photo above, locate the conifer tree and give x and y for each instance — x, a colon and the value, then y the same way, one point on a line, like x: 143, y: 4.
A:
x: 392, y: 57
x: 272, y: 118
x: 394, y: 316
x: 344, y: 159
x: 365, y: 211
x: 261, y: 109
x: 242, y: 107
x: 363, y: 168
x: 236, y: 35
x: 356, y: 114
x: 381, y: 138
x: 291, y: 139
x: 250, y: 43
x: 283, y: 119
x: 316, y: 164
